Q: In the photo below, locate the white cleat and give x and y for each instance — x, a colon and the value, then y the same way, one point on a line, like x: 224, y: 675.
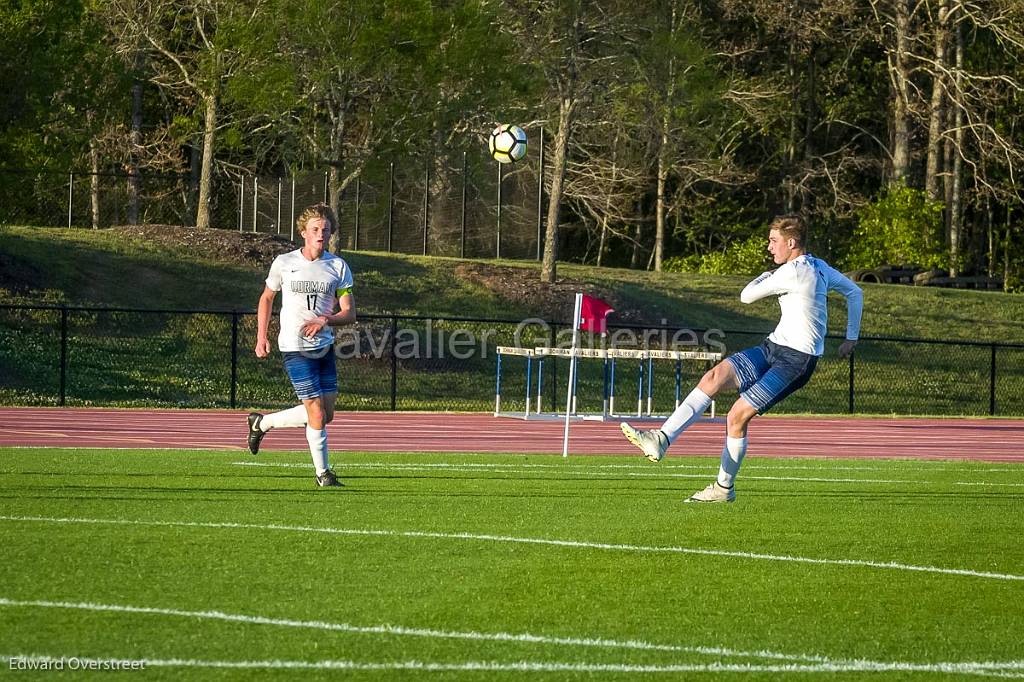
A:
x: 713, y: 493
x: 654, y: 443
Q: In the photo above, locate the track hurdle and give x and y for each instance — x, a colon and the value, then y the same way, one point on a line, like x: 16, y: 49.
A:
x: 534, y: 356
x: 609, y: 356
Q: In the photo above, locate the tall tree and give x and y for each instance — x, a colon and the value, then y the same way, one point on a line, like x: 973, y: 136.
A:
x: 685, y: 111
x: 896, y: 22
x: 346, y: 82
x: 937, y: 108
x: 193, y: 47
x: 568, y: 40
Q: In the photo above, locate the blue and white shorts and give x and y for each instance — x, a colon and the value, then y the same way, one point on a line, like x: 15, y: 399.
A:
x: 312, y: 372
x: 770, y: 372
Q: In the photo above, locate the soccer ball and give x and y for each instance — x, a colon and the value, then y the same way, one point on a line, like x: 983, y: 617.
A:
x: 507, y: 143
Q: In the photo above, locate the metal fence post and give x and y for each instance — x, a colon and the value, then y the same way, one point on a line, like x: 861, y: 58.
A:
x: 497, y: 245
x: 394, y: 365
x: 465, y: 168
x: 326, y: 179
x: 279, y: 188
x: 255, y: 199
x: 117, y: 203
x: 292, y: 233
x: 356, y: 229
x: 63, y: 354
x: 71, y: 196
x: 241, y: 202
x: 852, y: 354
x: 234, y: 358
x: 391, y: 203
x: 540, y: 196
x: 426, y: 204
x: 554, y: 371
x: 992, y: 382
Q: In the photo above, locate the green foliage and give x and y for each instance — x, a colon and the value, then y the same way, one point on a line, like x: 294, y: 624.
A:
x: 61, y: 83
x: 747, y: 257
x: 736, y: 106
x: 903, y: 226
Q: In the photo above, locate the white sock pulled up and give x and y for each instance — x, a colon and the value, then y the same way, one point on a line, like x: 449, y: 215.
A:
x: 732, y: 456
x: 317, y: 439
x: 689, y: 411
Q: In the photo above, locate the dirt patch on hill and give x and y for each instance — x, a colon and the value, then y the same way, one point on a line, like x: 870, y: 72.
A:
x: 522, y: 286
x: 224, y: 246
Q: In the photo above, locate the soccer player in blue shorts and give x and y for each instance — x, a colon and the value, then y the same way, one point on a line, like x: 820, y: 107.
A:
x: 767, y: 373
x: 316, y: 294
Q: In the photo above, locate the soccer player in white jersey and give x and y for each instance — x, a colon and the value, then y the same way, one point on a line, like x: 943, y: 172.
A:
x: 316, y: 294
x: 771, y: 371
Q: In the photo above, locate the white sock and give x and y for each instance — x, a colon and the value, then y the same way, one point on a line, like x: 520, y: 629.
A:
x: 317, y: 439
x: 688, y: 412
x: 732, y: 456
x: 292, y: 417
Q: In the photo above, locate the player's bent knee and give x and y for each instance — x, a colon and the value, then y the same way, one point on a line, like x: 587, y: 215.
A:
x: 740, y: 414
x: 315, y: 413
x: 717, y: 378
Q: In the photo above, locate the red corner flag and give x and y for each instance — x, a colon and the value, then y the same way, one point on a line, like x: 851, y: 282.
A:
x: 594, y: 314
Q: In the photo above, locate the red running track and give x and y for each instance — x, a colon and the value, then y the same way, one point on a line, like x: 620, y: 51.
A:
x: 975, y: 439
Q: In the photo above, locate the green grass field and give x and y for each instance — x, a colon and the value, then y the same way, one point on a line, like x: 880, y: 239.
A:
x: 482, y: 567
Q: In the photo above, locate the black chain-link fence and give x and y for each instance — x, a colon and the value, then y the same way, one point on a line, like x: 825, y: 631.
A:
x: 461, y: 204
x: 87, y: 356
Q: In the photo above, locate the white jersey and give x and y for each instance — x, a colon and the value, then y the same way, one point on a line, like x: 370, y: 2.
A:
x: 309, y: 289
x: 802, y: 286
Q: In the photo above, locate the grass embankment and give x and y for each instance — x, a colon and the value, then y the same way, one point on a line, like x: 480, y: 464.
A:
x: 126, y: 359
x: 118, y: 268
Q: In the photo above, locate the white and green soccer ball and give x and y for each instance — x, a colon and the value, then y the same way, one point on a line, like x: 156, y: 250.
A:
x: 507, y: 143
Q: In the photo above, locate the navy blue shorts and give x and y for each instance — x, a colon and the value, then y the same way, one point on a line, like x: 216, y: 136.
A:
x: 770, y: 372
x: 312, y: 372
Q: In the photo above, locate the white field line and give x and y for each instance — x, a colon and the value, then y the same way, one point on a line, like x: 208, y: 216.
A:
x: 590, y: 467
x: 591, y: 474
x: 39, y: 662
x: 588, y: 472
x: 527, y: 638
x: 574, y: 544
x: 397, y: 630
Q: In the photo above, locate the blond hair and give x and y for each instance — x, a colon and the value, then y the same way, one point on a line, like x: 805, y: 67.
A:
x: 790, y: 227
x: 317, y: 211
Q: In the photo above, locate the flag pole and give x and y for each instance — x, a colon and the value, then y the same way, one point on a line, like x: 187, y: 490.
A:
x: 572, y: 371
